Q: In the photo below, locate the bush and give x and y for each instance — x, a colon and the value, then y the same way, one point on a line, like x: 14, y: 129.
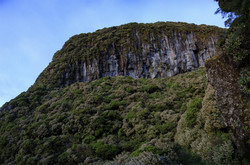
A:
x: 88, y: 139
x: 105, y: 151
x: 175, y: 86
x: 131, y: 114
x: 157, y: 107
x: 152, y: 149
x: 97, y: 99
x: 112, y: 115
x: 245, y: 81
x: 113, y: 105
x: 130, y: 90
x: 131, y: 145
x: 192, y: 110
x: 168, y: 127
x: 144, y: 114
x: 64, y: 158
x: 3, y: 141
x: 151, y: 88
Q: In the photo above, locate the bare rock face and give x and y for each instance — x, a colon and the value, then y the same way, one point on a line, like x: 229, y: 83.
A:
x: 135, y: 50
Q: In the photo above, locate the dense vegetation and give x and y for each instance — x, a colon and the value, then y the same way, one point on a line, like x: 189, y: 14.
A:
x: 234, y: 59
x: 117, y: 120
x: 237, y: 41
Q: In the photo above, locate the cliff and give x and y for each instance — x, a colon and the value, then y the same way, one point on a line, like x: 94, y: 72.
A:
x: 223, y: 74
x: 162, y: 49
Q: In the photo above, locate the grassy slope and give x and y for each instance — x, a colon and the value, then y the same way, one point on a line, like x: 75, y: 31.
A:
x: 125, y: 119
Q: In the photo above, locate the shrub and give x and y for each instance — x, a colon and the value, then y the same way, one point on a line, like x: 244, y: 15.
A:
x: 245, y: 81
x: 112, y: 115
x: 223, y: 154
x: 152, y: 149
x: 151, y: 88
x: 132, y: 145
x: 167, y: 127
x: 121, y: 133
x: 144, y: 114
x: 113, y: 105
x: 183, y: 107
x: 88, y: 139
x: 175, y: 86
x: 64, y: 157
x: 105, y: 151
x: 130, y: 90
x: 3, y: 141
x: 192, y: 110
x: 131, y: 114
x: 157, y: 107
x: 97, y: 99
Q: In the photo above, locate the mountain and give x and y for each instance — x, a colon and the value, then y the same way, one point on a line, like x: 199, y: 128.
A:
x: 131, y: 94
x: 135, y: 50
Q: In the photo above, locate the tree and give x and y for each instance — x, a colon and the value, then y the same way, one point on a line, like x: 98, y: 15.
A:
x: 237, y: 13
x: 237, y: 41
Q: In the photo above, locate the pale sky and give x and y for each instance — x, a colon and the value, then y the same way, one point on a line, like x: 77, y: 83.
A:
x: 31, y: 31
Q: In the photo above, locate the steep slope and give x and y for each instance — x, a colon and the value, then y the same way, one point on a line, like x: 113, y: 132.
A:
x: 161, y: 49
x: 121, y: 119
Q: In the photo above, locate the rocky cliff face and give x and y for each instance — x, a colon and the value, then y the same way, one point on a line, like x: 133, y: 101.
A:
x: 233, y: 105
x: 135, y: 50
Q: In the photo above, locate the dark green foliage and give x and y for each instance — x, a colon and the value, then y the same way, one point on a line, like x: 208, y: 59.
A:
x: 144, y: 114
x: 97, y: 99
x: 165, y: 128
x: 237, y: 41
x: 105, y: 151
x: 223, y: 135
x: 130, y: 90
x: 187, y: 157
x: 21, y: 100
x: 245, y: 162
x: 151, y: 88
x: 114, y: 105
x: 157, y: 107
x: 131, y: 145
x: 65, y: 158
x: 192, y: 110
x: 131, y: 114
x: 3, y: 141
x: 88, y: 139
x: 152, y: 149
x: 102, y: 118
x: 245, y: 80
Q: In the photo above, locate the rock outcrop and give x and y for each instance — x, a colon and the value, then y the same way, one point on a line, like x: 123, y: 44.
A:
x: 135, y: 50
x: 233, y: 105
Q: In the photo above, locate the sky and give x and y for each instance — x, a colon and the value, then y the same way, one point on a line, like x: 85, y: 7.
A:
x: 31, y: 31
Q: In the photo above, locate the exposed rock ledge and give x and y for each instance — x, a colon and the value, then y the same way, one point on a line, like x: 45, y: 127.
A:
x: 135, y: 50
